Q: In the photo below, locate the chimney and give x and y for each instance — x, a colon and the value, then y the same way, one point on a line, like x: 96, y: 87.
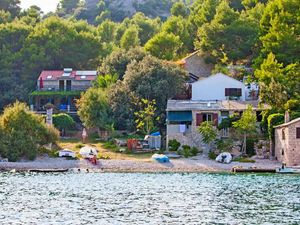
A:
x: 286, y: 117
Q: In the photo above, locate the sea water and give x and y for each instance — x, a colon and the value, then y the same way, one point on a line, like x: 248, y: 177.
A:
x: 142, y: 198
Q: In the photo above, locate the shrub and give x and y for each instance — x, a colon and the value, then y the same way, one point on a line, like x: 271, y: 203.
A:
x: 23, y: 132
x: 186, y: 151
x: 63, y: 121
x: 250, y: 146
x: 228, y: 122
x: 110, y: 145
x: 212, y: 155
x: 194, y: 151
x: 209, y: 134
x: 174, y: 145
x: 224, y: 145
x: 274, y: 120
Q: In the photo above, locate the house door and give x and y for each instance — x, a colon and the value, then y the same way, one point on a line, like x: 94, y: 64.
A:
x: 61, y: 85
x: 68, y: 87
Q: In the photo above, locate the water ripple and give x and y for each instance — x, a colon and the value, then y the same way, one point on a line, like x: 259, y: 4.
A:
x: 149, y: 199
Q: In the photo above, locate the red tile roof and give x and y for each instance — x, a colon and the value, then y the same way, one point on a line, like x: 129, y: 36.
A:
x: 56, y: 74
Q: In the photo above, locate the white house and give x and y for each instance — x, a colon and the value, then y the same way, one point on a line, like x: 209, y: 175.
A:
x: 218, y: 87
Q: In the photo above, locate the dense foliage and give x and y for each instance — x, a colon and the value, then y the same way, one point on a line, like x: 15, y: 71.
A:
x: 63, y: 122
x: 23, y: 132
x: 94, y: 110
x: 117, y: 37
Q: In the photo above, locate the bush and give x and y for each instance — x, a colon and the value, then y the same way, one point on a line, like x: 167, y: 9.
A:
x: 224, y: 145
x: 110, y: 145
x: 63, y: 121
x: 174, y: 145
x: 186, y: 151
x: 228, y: 122
x: 212, y: 155
x: 274, y: 120
x: 250, y: 146
x: 194, y: 151
x: 23, y: 132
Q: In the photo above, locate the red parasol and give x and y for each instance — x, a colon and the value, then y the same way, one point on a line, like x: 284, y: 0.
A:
x: 41, y: 83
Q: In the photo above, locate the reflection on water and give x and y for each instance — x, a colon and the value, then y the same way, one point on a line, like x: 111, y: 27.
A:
x: 120, y: 198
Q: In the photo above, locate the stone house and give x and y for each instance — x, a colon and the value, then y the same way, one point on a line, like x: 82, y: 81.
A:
x: 213, y: 99
x: 60, y: 88
x: 287, y: 142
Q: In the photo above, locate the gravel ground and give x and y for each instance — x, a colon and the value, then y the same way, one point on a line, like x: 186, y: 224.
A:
x: 195, y: 164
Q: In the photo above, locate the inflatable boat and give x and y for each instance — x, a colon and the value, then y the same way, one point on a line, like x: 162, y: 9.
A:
x: 160, y: 158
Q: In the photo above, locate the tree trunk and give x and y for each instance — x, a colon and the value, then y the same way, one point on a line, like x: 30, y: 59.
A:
x: 245, y: 144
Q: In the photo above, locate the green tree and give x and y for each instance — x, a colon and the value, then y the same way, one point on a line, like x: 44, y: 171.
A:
x: 208, y: 132
x: 56, y: 43
x: 228, y: 38
x: 278, y: 83
x: 169, y: 80
x: 5, y: 17
x: 121, y: 101
x: 13, y: 82
x: 145, y: 117
x: 164, y: 46
x: 63, y: 122
x: 147, y: 27
x: 179, y: 9
x: 23, y: 132
x: 11, y: 6
x: 280, y: 28
x: 246, y: 125
x: 94, y: 110
x: 130, y: 38
x: 67, y: 6
x: 117, y: 61
x: 105, y: 81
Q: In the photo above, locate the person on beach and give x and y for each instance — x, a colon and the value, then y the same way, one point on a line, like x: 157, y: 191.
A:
x: 84, y: 135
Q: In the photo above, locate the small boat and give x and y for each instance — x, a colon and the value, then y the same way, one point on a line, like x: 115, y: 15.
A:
x: 48, y: 170
x: 161, y: 158
x: 288, y: 170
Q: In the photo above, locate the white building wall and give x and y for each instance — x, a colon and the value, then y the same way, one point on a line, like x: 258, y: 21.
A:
x: 213, y: 87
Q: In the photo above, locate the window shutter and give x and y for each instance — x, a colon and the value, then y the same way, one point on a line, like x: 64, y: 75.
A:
x: 215, y: 119
x: 239, y: 92
x: 298, y: 132
x: 226, y: 91
x: 198, y: 119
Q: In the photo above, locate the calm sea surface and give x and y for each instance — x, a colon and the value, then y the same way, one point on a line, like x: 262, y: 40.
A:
x: 120, y: 198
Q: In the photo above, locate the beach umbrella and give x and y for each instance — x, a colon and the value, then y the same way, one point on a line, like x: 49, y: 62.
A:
x: 41, y: 83
x: 88, y: 152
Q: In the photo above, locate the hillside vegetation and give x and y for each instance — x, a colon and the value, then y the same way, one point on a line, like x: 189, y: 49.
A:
x: 111, y: 36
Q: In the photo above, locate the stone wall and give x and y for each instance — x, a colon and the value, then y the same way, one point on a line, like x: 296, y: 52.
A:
x: 287, y: 149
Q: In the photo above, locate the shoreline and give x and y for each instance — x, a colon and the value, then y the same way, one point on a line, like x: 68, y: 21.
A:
x: 198, y: 164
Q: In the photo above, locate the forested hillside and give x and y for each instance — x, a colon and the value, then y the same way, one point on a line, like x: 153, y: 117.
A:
x: 101, y: 34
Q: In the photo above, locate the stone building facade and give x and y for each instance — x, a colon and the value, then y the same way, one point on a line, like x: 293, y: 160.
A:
x: 287, y: 143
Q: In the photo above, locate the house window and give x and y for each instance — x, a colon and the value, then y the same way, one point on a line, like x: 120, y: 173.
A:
x: 235, y: 92
x: 207, y: 117
x: 61, y: 85
x: 68, y: 85
x: 283, y: 134
x: 298, y: 132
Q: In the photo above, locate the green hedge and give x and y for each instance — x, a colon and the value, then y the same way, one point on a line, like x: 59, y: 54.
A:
x: 56, y: 93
